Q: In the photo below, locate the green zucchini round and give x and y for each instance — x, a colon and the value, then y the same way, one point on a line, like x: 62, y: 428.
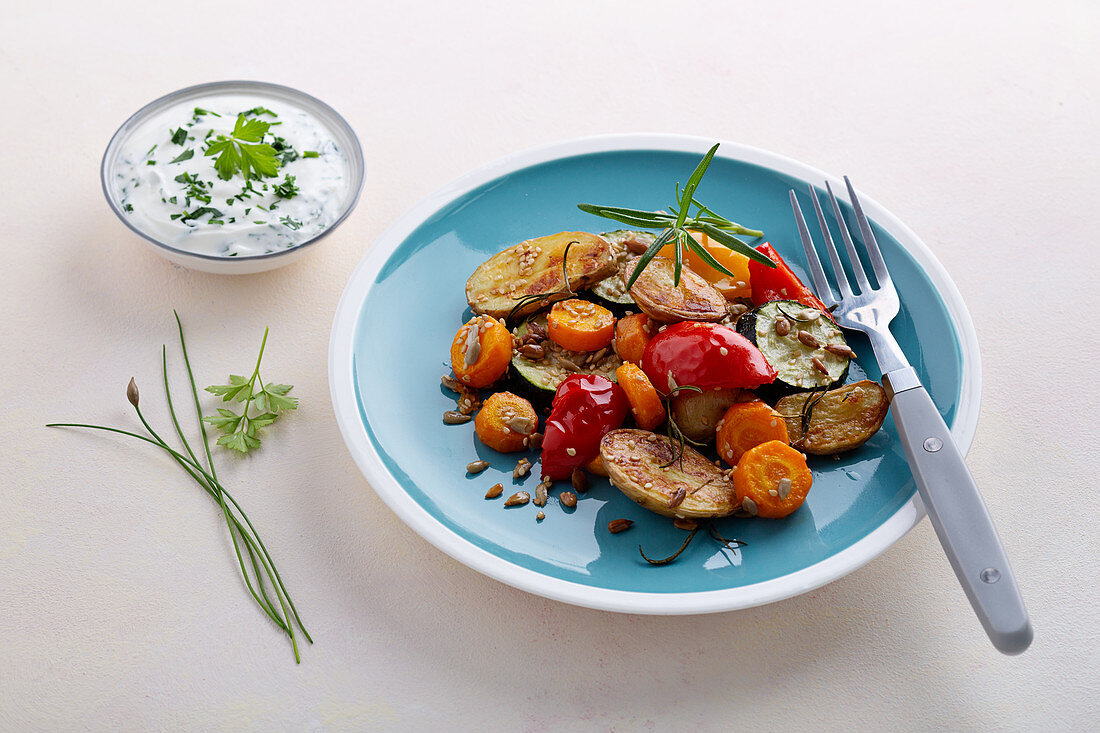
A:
x: 791, y: 356
x: 538, y: 381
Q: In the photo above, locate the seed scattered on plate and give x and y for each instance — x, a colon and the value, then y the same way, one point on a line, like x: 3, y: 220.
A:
x: 579, y: 479
x: 540, y: 493
x: 476, y: 466
x: 517, y: 499
x: 619, y: 525
x: 540, y: 516
x: 568, y: 499
x: 455, y: 418
x: 494, y: 491
x: 522, y: 468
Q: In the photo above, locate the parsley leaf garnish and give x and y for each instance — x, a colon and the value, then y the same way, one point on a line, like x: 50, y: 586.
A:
x: 185, y: 155
x: 244, y: 150
x: 263, y: 403
x: 179, y: 137
x: 286, y: 189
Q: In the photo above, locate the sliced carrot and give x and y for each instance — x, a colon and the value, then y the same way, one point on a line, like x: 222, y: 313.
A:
x: 596, y: 466
x: 746, y: 425
x: 733, y: 287
x: 481, y: 357
x: 505, y: 422
x: 645, y: 403
x: 772, y: 467
x: 579, y: 325
x: 632, y: 333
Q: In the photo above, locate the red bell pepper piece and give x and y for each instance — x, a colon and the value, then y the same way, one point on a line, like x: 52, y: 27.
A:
x: 779, y: 283
x: 704, y: 355
x: 586, y: 408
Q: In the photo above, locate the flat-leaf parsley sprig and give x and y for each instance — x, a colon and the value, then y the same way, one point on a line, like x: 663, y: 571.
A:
x: 244, y: 150
x: 677, y: 224
x: 259, y: 572
x: 263, y: 403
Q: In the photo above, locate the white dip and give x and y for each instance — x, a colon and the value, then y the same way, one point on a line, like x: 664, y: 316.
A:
x: 188, y: 205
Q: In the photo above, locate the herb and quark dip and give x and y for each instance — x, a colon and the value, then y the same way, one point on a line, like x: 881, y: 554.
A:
x: 233, y: 175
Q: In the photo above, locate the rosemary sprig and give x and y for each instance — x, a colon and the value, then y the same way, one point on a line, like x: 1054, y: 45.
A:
x: 264, y: 575
x: 677, y: 224
x: 727, y: 544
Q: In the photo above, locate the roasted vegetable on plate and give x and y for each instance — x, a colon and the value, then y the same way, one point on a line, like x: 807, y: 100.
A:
x: 699, y: 347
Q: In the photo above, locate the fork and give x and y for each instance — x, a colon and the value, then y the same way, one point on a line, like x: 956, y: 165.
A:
x: 946, y: 487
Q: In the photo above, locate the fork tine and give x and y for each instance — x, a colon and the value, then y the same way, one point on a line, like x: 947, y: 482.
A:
x: 821, y: 284
x: 853, y: 256
x: 834, y: 258
x: 873, y: 252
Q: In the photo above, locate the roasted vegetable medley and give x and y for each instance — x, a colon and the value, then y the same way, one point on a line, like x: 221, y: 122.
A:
x: 698, y: 392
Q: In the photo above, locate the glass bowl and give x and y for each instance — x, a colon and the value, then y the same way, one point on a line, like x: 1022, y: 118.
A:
x: 337, y: 126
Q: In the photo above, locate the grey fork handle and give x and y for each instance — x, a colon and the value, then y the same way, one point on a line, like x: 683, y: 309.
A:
x: 958, y: 514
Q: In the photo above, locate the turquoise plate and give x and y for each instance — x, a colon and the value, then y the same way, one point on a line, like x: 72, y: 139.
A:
x: 402, y: 306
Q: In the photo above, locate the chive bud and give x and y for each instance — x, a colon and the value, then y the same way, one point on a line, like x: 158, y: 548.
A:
x: 132, y: 392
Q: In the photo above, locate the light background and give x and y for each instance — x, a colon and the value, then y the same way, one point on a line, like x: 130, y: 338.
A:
x: 120, y: 604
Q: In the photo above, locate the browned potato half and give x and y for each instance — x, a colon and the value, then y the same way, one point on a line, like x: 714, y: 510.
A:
x: 842, y: 419
x: 697, y: 413
x: 693, y: 488
x: 533, y: 267
x: 694, y: 299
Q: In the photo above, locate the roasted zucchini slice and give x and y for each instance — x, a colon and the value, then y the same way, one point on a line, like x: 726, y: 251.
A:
x: 824, y: 423
x: 538, y: 378
x: 694, y: 299
x: 645, y: 466
x: 803, y: 344
x: 533, y: 267
x: 625, y: 243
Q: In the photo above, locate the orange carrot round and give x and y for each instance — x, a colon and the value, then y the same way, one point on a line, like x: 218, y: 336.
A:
x: 505, y: 422
x: 578, y: 325
x: 746, y: 425
x: 772, y: 480
x: 632, y: 333
x: 596, y: 466
x: 481, y: 351
x: 645, y: 403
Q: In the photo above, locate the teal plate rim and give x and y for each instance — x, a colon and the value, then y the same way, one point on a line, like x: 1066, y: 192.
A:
x: 483, y: 554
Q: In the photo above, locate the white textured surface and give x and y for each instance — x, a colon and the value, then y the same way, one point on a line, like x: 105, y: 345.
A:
x: 119, y: 599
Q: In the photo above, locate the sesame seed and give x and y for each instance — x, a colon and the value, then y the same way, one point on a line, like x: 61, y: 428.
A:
x: 724, y: 351
x: 571, y: 451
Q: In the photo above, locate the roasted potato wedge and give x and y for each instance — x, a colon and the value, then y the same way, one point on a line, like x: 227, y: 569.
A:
x: 693, y: 488
x: 694, y: 299
x: 533, y: 267
x: 697, y: 413
x: 836, y: 421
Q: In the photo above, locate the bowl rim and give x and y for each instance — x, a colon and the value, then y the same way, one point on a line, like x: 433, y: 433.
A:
x: 358, y: 171
x: 345, y: 402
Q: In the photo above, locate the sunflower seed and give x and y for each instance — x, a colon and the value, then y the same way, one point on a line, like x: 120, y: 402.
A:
x: 522, y: 468
x: 522, y: 424
x: 784, y: 488
x: 809, y: 339
x: 782, y: 326
x: 618, y: 525
x: 533, y: 352
x: 540, y: 493
x: 476, y: 466
x: 677, y: 498
x: 494, y: 491
x: 472, y: 348
x: 579, y: 479
x: 540, y: 516
x: 687, y: 524
x: 568, y: 499
x: 455, y: 418
x: 819, y: 365
x: 840, y: 350
x: 517, y: 499
x: 451, y: 383
x: 534, y: 441
x: 749, y: 506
